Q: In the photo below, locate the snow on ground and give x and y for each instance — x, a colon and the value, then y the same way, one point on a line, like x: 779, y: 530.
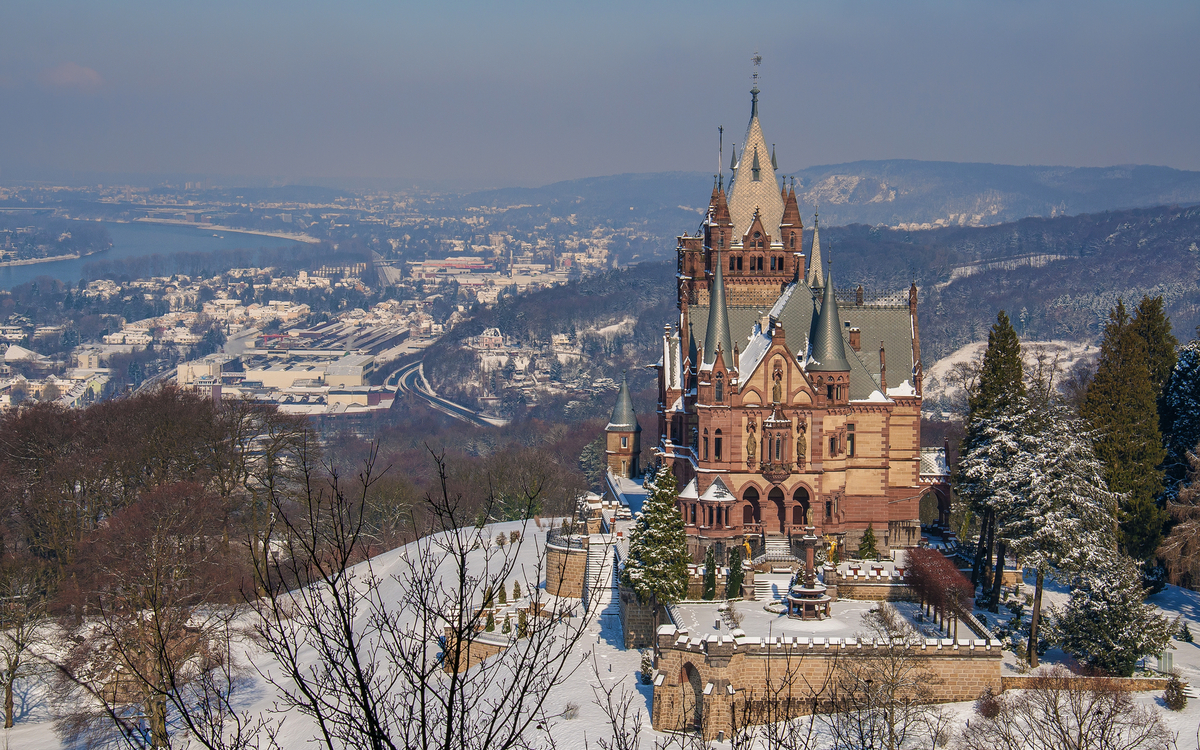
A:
x: 941, y: 388
x: 603, y: 646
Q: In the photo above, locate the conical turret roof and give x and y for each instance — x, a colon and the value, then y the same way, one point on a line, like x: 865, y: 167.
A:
x: 623, y: 418
x: 828, y: 348
x: 816, y: 269
x: 717, y: 332
x: 753, y: 185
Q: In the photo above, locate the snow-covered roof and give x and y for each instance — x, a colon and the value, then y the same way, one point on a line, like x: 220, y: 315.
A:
x: 905, y: 389
x: 717, y: 491
x: 754, y: 352
x: 875, y: 398
x: 690, y: 490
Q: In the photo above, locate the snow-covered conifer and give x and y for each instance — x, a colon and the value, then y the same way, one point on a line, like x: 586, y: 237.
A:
x: 1179, y: 409
x: 657, y: 567
x: 1107, y: 623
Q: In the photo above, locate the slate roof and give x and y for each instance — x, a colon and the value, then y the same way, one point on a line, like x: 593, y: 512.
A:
x: 747, y: 194
x: 883, y: 319
x: 623, y: 418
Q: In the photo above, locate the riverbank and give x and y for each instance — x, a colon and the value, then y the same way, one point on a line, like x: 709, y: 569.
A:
x: 297, y: 237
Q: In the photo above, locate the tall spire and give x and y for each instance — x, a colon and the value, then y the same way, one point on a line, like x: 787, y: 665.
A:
x: 828, y: 348
x: 717, y: 333
x: 623, y: 418
x: 816, y: 269
x: 753, y: 185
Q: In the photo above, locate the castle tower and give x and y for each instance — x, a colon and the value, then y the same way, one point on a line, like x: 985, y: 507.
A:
x: 623, y: 436
x: 827, y: 360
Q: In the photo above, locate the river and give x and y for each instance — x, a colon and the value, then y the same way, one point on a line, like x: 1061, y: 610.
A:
x: 137, y: 240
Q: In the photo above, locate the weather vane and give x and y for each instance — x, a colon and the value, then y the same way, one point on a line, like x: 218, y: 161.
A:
x: 757, y: 60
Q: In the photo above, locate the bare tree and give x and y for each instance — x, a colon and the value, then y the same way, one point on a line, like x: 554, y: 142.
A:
x: 883, y: 697
x: 1059, y: 711
x: 358, y: 651
x: 154, y: 584
x: 24, y: 620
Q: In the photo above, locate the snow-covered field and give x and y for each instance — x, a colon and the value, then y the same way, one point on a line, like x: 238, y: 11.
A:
x: 942, y: 388
x: 601, y: 646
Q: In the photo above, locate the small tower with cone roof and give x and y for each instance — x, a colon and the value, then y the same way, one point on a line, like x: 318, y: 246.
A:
x: 623, y: 436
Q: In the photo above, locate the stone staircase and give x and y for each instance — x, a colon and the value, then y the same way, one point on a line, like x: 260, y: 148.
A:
x: 770, y: 587
x: 777, y: 546
x: 598, y: 578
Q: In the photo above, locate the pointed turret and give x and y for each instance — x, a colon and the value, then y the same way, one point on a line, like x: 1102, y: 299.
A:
x: 828, y: 348
x: 774, y: 163
x: 623, y: 418
x: 791, y: 226
x: 717, y: 332
x: 752, y: 186
x: 816, y: 269
x: 624, y: 439
x: 732, y: 159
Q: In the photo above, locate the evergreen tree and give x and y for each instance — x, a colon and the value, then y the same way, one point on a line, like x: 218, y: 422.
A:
x: 506, y: 627
x: 1179, y: 415
x: 733, y: 584
x: 1121, y: 408
x: 516, y: 591
x: 1000, y: 385
x: 1106, y: 623
x: 657, y: 565
x: 1046, y: 488
x: 522, y: 623
x: 710, y: 575
x: 503, y: 596
x: 1150, y: 322
x: 491, y: 623
x: 866, y: 546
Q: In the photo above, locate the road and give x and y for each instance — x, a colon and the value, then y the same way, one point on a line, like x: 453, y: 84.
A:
x: 411, y: 379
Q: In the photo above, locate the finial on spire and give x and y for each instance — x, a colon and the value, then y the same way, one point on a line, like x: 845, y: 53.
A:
x: 774, y: 164
x: 733, y: 159
x: 720, y: 151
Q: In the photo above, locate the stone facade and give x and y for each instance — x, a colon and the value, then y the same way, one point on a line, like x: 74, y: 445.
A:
x: 637, y: 619
x: 705, y: 682
x: 764, y: 437
x: 566, y: 566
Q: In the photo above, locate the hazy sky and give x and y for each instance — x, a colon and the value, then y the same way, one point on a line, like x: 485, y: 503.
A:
x: 496, y: 94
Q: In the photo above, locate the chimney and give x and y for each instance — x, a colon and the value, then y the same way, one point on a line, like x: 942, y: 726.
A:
x: 858, y: 295
x: 855, y: 339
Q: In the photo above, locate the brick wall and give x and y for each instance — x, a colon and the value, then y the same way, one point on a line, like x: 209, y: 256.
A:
x: 1136, y: 684
x: 707, y: 680
x: 483, y: 646
x: 566, y: 569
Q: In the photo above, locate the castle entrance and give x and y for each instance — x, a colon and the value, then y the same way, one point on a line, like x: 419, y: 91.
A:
x: 777, y: 502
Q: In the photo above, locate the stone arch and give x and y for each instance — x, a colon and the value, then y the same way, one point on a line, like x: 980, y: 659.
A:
x: 691, y: 679
x: 751, y: 510
x: 776, y: 500
x: 802, y: 503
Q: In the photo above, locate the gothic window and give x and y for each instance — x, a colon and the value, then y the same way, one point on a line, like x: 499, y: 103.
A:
x: 772, y: 262
x: 706, y: 447
x: 720, y: 388
x: 793, y: 240
x: 739, y: 260
x: 721, y: 240
x: 717, y: 440
x: 732, y: 263
x: 829, y: 392
x: 693, y: 519
x: 778, y: 449
x: 758, y: 239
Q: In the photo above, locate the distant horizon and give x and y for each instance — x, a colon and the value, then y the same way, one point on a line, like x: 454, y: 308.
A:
x: 176, y: 180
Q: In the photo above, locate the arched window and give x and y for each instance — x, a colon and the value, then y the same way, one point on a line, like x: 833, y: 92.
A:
x: 720, y: 388
x: 793, y: 240
x: 778, y: 449
x: 732, y: 263
x: 717, y: 440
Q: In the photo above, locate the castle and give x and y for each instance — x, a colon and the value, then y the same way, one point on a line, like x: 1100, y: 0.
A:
x: 783, y: 401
